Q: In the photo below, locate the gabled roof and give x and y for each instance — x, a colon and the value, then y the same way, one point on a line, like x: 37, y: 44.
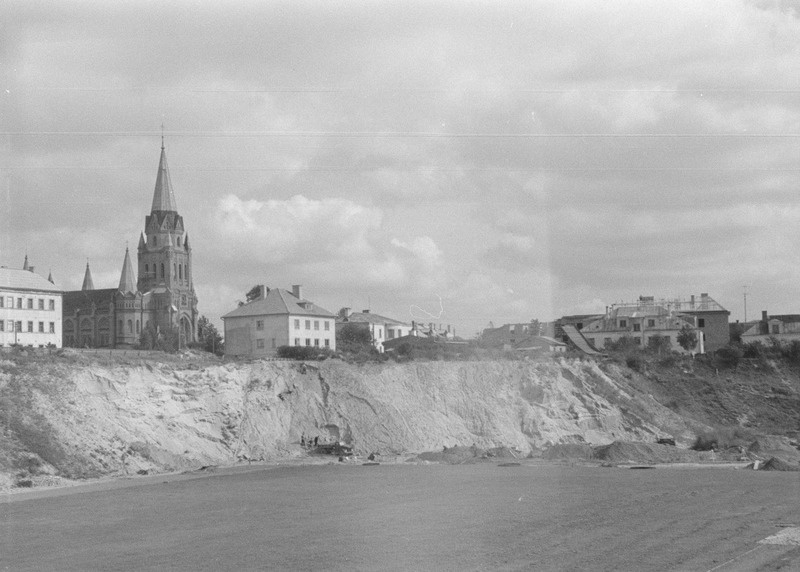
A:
x: 163, y: 197
x: 278, y: 302
x: 370, y: 318
x: 18, y: 279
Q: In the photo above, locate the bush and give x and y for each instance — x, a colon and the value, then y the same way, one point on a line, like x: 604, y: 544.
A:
x: 304, y: 352
x: 729, y: 356
x: 635, y: 361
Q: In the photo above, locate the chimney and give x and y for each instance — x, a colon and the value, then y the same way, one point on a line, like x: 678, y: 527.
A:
x: 704, y: 295
x: 764, y: 316
x: 264, y: 292
x: 297, y: 291
x: 692, y: 299
x: 345, y: 312
x: 365, y: 311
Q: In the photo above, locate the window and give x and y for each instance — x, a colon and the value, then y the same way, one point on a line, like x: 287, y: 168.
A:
x: 327, y: 343
x: 180, y: 271
x: 1, y: 301
x: 637, y: 327
x: 701, y: 322
x: 606, y: 341
x: 130, y: 326
x: 41, y: 327
x: 297, y: 341
x: 260, y: 344
x: 390, y: 334
x: 10, y: 302
x: 162, y: 269
x: 260, y: 326
x: 30, y: 326
x: 308, y: 341
x: 30, y: 303
x: 52, y: 327
x: 138, y: 327
x: 651, y: 323
x: 146, y: 269
x: 2, y: 326
x: 52, y: 305
x: 41, y: 303
x: 316, y: 324
x: 297, y: 324
x: 18, y: 326
x: 327, y: 325
x: 776, y: 329
x: 623, y: 323
x: 308, y: 326
x: 579, y: 325
x: 19, y: 303
x: 316, y: 342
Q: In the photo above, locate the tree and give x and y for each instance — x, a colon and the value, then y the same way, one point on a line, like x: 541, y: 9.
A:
x: 253, y: 294
x: 209, y: 337
x: 687, y: 338
x: 164, y: 339
x: 659, y: 344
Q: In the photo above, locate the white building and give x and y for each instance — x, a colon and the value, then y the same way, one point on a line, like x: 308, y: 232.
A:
x: 277, y: 318
x: 380, y: 327
x: 30, y: 308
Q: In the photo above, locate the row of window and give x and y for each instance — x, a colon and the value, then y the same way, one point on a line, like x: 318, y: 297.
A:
x: 701, y: 323
x: 327, y: 343
x: 27, y: 303
x: 326, y: 325
x: 637, y: 341
x: 17, y: 327
x: 179, y: 270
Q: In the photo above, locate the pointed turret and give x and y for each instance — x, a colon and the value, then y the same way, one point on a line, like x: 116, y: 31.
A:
x: 141, y: 242
x: 50, y: 277
x: 25, y: 265
x: 163, y: 197
x: 126, y: 280
x: 87, y: 279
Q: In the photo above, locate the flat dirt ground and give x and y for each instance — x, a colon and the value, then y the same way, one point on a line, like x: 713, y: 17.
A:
x: 411, y: 517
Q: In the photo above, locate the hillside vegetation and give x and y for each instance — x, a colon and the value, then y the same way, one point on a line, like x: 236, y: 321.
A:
x: 73, y: 415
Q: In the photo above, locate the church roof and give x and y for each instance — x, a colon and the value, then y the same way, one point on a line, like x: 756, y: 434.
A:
x: 163, y: 197
x: 127, y: 283
x: 88, y: 284
x: 278, y: 301
x: 18, y: 279
x: 87, y: 300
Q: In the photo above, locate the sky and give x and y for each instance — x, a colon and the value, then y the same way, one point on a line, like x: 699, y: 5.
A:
x: 459, y: 163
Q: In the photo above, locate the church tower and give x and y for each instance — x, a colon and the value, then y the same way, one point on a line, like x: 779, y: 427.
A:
x: 165, y: 261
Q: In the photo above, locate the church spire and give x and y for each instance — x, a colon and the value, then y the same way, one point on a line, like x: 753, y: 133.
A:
x: 25, y: 265
x: 87, y: 279
x: 50, y: 277
x: 126, y: 281
x: 163, y: 197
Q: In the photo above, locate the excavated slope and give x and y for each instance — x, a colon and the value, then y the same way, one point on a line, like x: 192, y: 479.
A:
x: 113, y: 419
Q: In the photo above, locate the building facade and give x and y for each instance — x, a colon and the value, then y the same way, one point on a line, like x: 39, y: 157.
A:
x: 163, y: 298
x: 380, y: 327
x: 642, y: 322
x: 30, y: 309
x: 277, y: 318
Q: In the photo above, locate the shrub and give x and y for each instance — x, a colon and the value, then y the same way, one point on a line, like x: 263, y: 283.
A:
x: 304, y: 352
x: 635, y: 361
x: 729, y: 356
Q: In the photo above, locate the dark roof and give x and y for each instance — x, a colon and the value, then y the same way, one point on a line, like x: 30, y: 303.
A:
x: 85, y: 299
x: 277, y: 302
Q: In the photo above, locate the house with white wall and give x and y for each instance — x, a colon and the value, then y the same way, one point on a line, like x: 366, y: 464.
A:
x: 30, y: 308
x: 277, y: 318
x: 380, y: 327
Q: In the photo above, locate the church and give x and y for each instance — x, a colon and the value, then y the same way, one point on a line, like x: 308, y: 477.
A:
x: 163, y: 297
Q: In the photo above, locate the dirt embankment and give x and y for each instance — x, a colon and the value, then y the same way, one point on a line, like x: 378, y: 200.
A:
x: 74, y: 417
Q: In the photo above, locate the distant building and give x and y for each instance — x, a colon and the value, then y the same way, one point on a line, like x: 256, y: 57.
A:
x: 508, y: 335
x: 380, y: 327
x: 578, y: 321
x: 641, y: 322
x: 712, y: 319
x: 277, y: 318
x: 30, y: 308
x: 784, y: 327
x: 162, y: 298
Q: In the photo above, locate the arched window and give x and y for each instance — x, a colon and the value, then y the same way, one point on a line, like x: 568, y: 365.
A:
x: 120, y: 327
x: 137, y: 327
x: 180, y: 271
x: 162, y: 269
x: 146, y: 269
x: 179, y: 241
x: 155, y: 240
x: 130, y: 327
x: 174, y: 270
